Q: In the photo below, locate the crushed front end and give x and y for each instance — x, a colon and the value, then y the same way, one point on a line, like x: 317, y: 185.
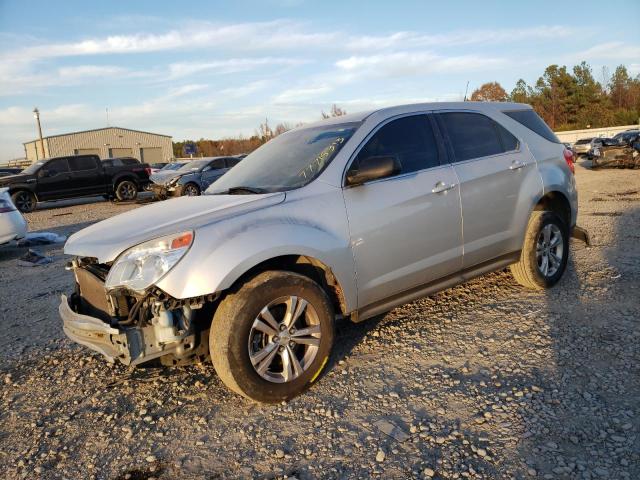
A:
x: 134, y: 327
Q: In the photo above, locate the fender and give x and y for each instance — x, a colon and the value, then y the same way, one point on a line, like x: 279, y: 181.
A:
x: 221, y: 253
x: 556, y: 177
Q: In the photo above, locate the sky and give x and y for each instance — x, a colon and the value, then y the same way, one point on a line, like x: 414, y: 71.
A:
x: 210, y: 69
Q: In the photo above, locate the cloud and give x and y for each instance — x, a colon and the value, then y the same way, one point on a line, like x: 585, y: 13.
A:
x: 233, y: 65
x: 611, y: 51
x: 413, y: 63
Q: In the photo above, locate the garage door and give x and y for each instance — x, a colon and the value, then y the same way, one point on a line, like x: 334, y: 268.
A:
x: 151, y: 155
x: 87, y: 151
x: 120, y: 152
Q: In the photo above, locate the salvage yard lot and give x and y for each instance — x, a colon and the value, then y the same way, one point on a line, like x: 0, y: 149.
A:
x: 485, y: 380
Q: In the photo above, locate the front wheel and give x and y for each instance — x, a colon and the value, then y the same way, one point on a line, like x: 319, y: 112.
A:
x: 191, y: 190
x: 544, y: 254
x: 271, y: 338
x: 126, y: 191
x: 24, y: 200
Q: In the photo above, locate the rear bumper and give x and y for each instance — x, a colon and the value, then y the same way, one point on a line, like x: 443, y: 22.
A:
x: 13, y: 226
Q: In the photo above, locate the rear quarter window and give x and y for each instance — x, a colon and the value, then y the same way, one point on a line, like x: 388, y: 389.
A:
x: 533, y: 122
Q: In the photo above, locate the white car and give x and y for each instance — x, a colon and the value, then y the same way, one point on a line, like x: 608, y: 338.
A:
x: 12, y: 224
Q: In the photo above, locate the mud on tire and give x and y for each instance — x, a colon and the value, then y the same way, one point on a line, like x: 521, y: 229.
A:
x: 243, y: 336
x: 528, y: 272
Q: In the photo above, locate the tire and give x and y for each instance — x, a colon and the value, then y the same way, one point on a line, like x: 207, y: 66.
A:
x: 126, y: 191
x: 24, y: 200
x: 530, y: 270
x: 594, y: 164
x: 233, y: 338
x: 190, y: 190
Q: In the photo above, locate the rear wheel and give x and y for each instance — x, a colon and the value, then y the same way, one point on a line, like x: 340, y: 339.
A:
x: 191, y: 190
x: 271, y: 338
x: 24, y: 200
x: 126, y: 191
x: 545, y: 251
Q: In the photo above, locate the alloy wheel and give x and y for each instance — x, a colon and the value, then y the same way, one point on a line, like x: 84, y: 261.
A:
x: 127, y: 190
x: 549, y: 250
x: 284, y: 339
x: 24, y: 202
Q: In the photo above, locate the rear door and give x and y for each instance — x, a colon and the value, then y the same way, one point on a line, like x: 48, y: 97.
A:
x: 54, y: 180
x: 406, y: 230
x: 497, y: 176
x: 87, y: 175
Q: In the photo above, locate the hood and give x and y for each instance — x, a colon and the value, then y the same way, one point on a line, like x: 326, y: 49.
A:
x: 161, y: 177
x: 17, y: 178
x: 107, y: 239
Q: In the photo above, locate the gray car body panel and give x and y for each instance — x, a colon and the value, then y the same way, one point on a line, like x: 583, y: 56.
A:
x: 335, y: 225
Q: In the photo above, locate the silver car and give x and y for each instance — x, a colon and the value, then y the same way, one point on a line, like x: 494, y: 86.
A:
x: 345, y: 218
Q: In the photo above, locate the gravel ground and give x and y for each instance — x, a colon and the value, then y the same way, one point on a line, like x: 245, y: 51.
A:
x: 485, y: 380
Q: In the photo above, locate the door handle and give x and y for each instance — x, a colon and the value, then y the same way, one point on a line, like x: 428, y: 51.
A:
x: 442, y: 187
x: 516, y: 165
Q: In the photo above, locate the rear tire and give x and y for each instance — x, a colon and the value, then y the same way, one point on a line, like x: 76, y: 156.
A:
x: 24, y: 200
x: 126, y: 191
x: 545, y: 251
x: 257, y: 323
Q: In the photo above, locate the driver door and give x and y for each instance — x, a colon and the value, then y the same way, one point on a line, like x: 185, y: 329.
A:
x: 54, y: 180
x: 406, y: 230
x: 212, y: 172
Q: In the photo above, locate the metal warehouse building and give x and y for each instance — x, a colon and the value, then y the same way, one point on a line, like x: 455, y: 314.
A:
x: 106, y: 142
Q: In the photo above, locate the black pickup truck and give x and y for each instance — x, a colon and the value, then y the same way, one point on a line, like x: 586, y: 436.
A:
x: 76, y: 176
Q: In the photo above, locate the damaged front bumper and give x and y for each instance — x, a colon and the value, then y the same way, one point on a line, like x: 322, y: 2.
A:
x: 132, y: 345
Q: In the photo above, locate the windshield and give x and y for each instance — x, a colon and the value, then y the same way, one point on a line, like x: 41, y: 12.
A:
x: 172, y: 166
x: 289, y: 161
x: 33, y: 168
x: 195, y: 165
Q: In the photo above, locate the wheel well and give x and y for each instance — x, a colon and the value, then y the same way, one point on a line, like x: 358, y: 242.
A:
x: 118, y: 180
x: 23, y: 189
x: 556, y: 202
x: 307, y: 266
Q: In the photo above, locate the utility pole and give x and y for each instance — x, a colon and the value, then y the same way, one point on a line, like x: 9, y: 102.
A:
x: 36, y: 115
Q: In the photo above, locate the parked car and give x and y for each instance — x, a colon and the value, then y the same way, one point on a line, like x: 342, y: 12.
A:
x: 348, y: 217
x: 5, y: 172
x: 596, y: 143
x: 622, y: 151
x: 13, y: 226
x: 192, y: 178
x: 76, y: 176
x: 582, y: 146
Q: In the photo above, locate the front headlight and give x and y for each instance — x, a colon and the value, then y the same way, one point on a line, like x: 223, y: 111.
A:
x: 146, y: 263
x: 173, y: 182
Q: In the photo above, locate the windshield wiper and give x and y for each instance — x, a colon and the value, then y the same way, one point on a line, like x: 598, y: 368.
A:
x: 242, y: 190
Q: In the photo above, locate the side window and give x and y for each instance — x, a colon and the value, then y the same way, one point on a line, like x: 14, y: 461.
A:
x: 509, y: 142
x: 472, y: 135
x: 217, y: 164
x: 82, y: 163
x: 107, y: 163
x: 232, y: 162
x: 55, y: 167
x: 410, y: 139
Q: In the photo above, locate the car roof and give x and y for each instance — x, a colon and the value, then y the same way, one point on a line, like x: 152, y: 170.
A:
x: 419, y: 107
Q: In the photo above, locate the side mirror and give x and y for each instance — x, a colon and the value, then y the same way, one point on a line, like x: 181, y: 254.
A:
x: 374, y: 168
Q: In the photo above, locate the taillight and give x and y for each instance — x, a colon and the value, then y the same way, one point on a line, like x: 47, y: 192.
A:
x: 568, y: 157
x: 6, y: 206
x: 148, y: 170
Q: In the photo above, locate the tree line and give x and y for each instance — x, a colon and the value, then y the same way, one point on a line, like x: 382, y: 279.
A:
x: 571, y: 100
x: 565, y: 99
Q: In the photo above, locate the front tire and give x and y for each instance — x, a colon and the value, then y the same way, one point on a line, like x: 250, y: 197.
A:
x: 24, y: 200
x: 544, y: 254
x: 126, y: 191
x: 272, y: 336
x: 191, y: 190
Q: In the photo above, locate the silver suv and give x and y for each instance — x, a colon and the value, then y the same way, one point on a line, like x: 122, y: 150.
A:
x: 345, y: 218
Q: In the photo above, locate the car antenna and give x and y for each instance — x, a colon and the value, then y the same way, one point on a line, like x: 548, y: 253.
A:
x: 465, y: 92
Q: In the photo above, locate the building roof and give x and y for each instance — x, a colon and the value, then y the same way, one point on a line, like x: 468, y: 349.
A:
x: 97, y: 130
